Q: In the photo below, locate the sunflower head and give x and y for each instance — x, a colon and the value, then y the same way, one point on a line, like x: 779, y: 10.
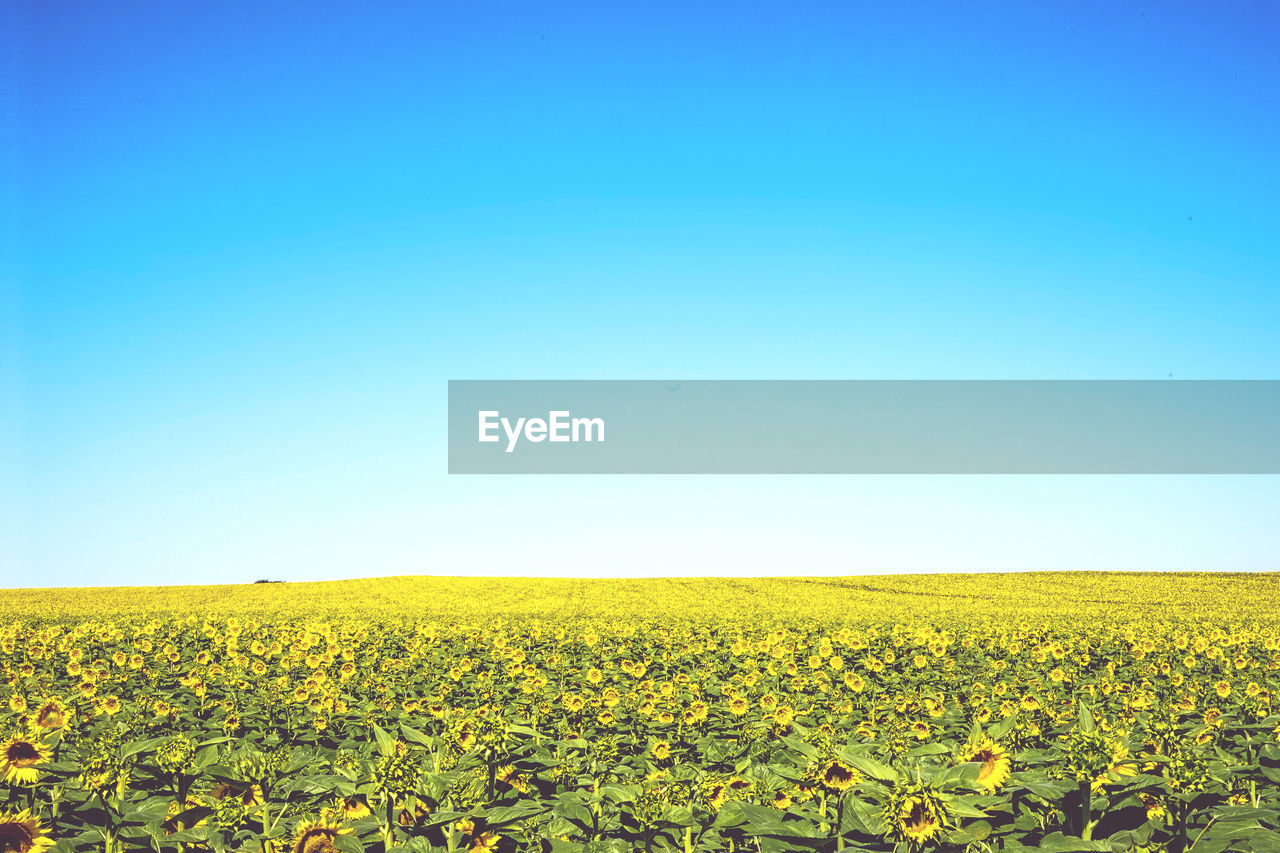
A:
x: 22, y: 833
x: 716, y: 795
x: 834, y: 775
x: 994, y: 760
x: 915, y: 813
x: 175, y: 821
x: 918, y: 820
x: 51, y: 714
x: 20, y: 758
x: 485, y: 842
x: 319, y: 835
x: 353, y: 808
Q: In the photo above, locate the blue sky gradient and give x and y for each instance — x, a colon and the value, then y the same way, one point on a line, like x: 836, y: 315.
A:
x: 247, y: 244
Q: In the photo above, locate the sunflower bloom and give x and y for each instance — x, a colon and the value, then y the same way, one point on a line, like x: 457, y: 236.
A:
x: 837, y: 776
x: 995, y: 764
x: 917, y: 820
x: 22, y: 833
x: 485, y: 842
x: 353, y: 808
x: 319, y: 835
x: 19, y: 761
x: 52, y: 714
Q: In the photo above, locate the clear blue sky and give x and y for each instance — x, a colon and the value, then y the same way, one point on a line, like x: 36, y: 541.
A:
x: 245, y: 246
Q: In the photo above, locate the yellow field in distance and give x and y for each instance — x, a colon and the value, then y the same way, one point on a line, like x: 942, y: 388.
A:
x: 1105, y: 596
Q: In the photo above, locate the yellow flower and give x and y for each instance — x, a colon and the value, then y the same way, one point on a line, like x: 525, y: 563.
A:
x: 835, y: 775
x: 917, y: 820
x: 19, y: 760
x: 661, y: 750
x: 1121, y: 767
x: 173, y: 824
x: 485, y: 842
x: 249, y: 796
x: 319, y: 835
x: 22, y: 833
x: 51, y: 714
x: 995, y: 764
x: 716, y: 796
x: 1155, y: 808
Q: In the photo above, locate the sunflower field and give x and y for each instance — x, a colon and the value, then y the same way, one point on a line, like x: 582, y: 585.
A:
x: 1059, y: 712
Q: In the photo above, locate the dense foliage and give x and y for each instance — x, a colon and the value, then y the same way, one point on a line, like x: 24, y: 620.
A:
x: 761, y: 729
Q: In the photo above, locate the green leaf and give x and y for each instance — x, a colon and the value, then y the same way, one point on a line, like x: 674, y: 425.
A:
x: 869, y: 766
x: 570, y: 808
x: 860, y: 816
x: 762, y: 820
x: 618, y: 793
x: 558, y: 846
x: 137, y: 746
x: 678, y: 816
x: 348, y: 844
x: 412, y: 735
x: 960, y: 807
x: 1086, y: 722
x: 958, y: 776
x: 523, y: 730
x: 496, y: 818
x: 155, y: 808
x: 976, y: 831
x: 1052, y: 790
x: 805, y: 749
x: 1002, y: 728
x: 386, y: 743
x: 443, y: 819
x: 1056, y: 842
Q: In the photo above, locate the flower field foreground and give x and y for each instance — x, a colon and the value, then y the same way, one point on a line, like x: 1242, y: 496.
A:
x: 1058, y: 711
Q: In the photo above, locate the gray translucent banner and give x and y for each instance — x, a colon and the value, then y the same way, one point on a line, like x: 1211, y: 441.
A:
x: 864, y: 427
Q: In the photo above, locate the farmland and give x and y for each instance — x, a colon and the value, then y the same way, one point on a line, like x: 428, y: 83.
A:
x: 1039, y: 711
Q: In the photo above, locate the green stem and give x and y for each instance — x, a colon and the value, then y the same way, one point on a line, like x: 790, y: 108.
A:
x: 389, y: 833
x: 1086, y: 796
x: 1201, y: 834
x: 840, y: 822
